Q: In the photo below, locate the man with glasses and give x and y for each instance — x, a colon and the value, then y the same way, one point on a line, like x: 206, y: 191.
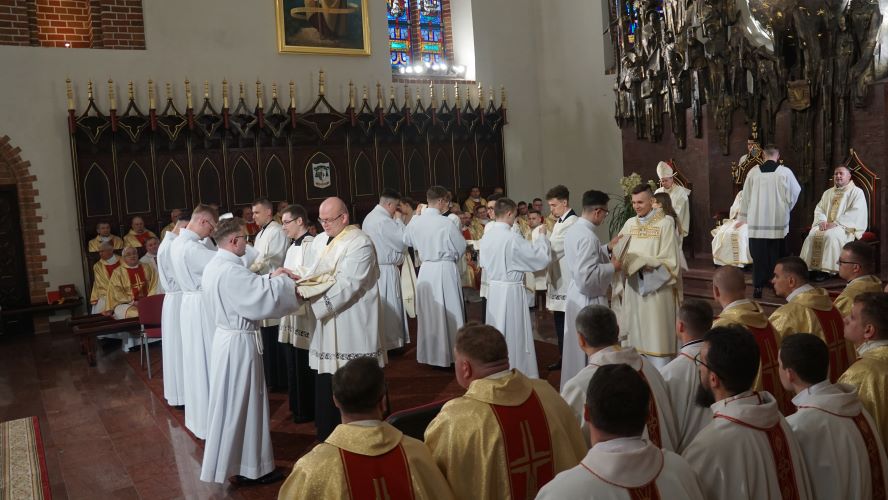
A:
x: 856, y: 267
x: 590, y: 270
x: 747, y: 451
x: 189, y: 257
x: 344, y: 299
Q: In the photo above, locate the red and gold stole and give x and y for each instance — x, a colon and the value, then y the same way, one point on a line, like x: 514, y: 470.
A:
x: 525, y: 432
x: 870, y: 439
x: 766, y: 339
x: 109, y: 268
x: 833, y: 334
x: 653, y: 418
x: 782, y: 457
x: 142, y: 237
x: 138, y: 283
x: 385, y: 476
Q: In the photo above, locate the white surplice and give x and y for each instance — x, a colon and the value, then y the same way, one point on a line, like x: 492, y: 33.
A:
x: 238, y: 435
x: 574, y: 390
x: 589, y: 274
x: 348, y: 313
x: 680, y: 197
x: 387, y: 234
x: 173, y: 377
x: 505, y: 256
x: 271, y: 248
x: 189, y: 257
x: 733, y: 457
x: 558, y: 274
x: 846, y: 207
x: 151, y: 260
x: 439, y: 299
x: 682, y: 378
x: 827, y: 428
x: 768, y: 198
x: 539, y: 277
x: 611, y: 468
x: 730, y: 245
x: 298, y: 327
x: 482, y: 292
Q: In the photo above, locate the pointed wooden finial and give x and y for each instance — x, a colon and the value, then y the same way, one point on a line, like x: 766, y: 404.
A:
x: 292, y: 94
x: 112, y: 98
x: 224, y: 93
x: 131, y: 93
x: 406, y: 95
x: 392, y: 93
x: 379, y: 95
x: 322, y: 83
x: 151, y: 103
x: 89, y: 89
x: 169, y: 91
x: 351, y: 94
x: 504, y: 102
x: 206, y: 89
x: 258, y: 94
x: 274, y: 90
x: 69, y: 90
x: 432, y: 99
x: 242, y: 93
x: 188, y: 103
x: 456, y: 97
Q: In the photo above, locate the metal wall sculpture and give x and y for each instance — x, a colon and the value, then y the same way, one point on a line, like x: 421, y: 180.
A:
x: 747, y: 55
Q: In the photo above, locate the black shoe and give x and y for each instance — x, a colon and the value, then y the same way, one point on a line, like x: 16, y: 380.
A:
x: 757, y: 292
x: 554, y: 366
x: 272, y: 477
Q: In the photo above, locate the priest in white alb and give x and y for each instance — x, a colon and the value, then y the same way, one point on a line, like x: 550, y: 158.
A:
x: 439, y: 298
x: 839, y: 438
x: 679, y: 195
x: 730, y: 244
x: 238, y: 434
x: 598, y: 336
x: 384, y: 227
x: 840, y: 216
x: 590, y: 271
x: 189, y: 257
x: 558, y: 274
x: 647, y: 284
x: 505, y: 257
x: 173, y: 365
x: 344, y: 298
x: 748, y: 451
x: 150, y: 257
x: 622, y: 463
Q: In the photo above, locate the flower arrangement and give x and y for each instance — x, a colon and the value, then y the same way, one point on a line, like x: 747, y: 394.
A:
x: 623, y: 211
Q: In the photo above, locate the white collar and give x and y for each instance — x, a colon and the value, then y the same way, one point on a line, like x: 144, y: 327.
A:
x: 499, y: 375
x: 806, y: 393
x: 649, y: 216
x: 736, y: 303
x: 621, y: 444
x: 870, y: 345
x: 112, y: 260
x: 798, y: 291
x: 366, y: 423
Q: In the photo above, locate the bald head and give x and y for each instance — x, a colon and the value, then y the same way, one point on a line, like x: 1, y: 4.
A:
x: 728, y: 285
x: 333, y: 216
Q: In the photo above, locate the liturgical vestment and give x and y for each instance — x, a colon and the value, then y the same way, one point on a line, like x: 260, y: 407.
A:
x: 505, y: 256
x: 439, y: 298
x: 648, y: 284
x: 680, y: 197
x: 126, y: 286
x: 95, y: 244
x: 136, y: 240
x: 839, y: 440
x: 854, y: 288
x: 660, y: 428
x: 730, y: 245
x: 387, y: 234
x: 366, y: 459
x: 173, y: 379
x: 750, y: 315
x: 297, y: 328
x: 625, y: 468
x: 845, y: 207
x: 238, y: 432
x: 682, y: 378
x: 748, y: 452
x: 810, y: 310
x: 101, y: 272
x: 506, y: 437
x: 869, y: 375
x: 558, y: 276
x: 589, y: 274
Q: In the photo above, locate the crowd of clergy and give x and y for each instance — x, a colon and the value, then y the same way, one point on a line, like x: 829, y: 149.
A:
x: 658, y: 397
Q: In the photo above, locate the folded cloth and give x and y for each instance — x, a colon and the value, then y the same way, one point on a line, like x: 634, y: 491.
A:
x: 316, y: 284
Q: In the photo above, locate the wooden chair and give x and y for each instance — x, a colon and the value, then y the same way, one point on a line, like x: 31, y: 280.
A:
x: 150, y: 309
x: 414, y: 421
x: 868, y: 181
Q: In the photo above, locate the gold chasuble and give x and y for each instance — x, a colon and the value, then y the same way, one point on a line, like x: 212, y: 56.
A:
x: 102, y: 272
x: 505, y: 438
x: 129, y: 284
x: 813, y: 312
x: 870, y: 376
x: 95, y: 244
x: 134, y: 239
x: 750, y: 315
x: 367, y: 460
x: 854, y: 288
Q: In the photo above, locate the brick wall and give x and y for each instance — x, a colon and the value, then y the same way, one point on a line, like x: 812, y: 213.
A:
x: 111, y: 24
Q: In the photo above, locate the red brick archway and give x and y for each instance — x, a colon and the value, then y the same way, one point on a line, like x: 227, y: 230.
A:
x: 15, y: 171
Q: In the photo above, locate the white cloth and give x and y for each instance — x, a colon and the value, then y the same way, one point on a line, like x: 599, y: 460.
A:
x: 680, y: 197
x: 151, y: 260
x: 271, y: 247
x: 189, y: 257
x: 730, y: 245
x: 682, y: 379
x: 170, y: 325
x: 482, y: 292
x: 733, y: 457
x: 348, y: 313
x: 539, y: 277
x: 834, y: 448
x: 589, y: 275
x: 439, y: 300
x: 506, y: 256
x: 387, y: 235
x: 610, y: 468
x: 238, y: 436
x: 557, y: 276
x: 768, y: 198
x: 298, y: 328
x: 845, y: 207
x: 574, y: 391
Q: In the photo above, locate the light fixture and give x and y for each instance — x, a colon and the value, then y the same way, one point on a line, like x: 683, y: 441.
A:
x: 419, y: 68
x: 408, y: 69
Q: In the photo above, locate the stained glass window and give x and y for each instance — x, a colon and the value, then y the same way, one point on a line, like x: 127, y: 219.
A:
x: 431, y: 39
x: 417, y: 36
x: 399, y: 32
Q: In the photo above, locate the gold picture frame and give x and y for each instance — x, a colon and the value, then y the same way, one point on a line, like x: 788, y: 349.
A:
x: 329, y: 27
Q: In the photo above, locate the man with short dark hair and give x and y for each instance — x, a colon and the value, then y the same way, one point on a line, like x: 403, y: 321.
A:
x: 836, y: 434
x: 856, y: 267
x: 150, y: 257
x: 598, y: 337
x: 622, y: 463
x: 558, y: 275
x: 537, y: 204
x: 809, y: 309
x: 474, y: 200
x: 477, y: 438
x: 504, y: 258
x: 680, y: 375
x: 867, y: 328
x: 748, y: 451
x: 103, y: 235
x: 537, y: 229
x: 364, y: 453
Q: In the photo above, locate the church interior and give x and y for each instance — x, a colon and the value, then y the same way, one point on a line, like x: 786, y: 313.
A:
x: 123, y: 109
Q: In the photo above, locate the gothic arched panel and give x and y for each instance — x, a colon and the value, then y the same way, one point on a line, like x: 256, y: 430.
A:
x: 136, y: 195
x: 97, y: 192
x: 443, y: 170
x: 209, y: 184
x: 172, y: 185
x: 242, y: 186
x: 465, y: 166
x: 391, y: 172
x: 363, y: 176
x: 416, y: 169
x: 275, y: 179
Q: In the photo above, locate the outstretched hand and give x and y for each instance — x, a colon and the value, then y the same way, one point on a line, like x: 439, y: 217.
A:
x: 283, y: 270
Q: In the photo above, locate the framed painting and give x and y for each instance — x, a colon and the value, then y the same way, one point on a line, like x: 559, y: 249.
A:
x: 323, y: 26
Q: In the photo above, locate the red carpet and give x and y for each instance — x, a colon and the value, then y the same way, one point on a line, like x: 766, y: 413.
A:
x: 23, y: 474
